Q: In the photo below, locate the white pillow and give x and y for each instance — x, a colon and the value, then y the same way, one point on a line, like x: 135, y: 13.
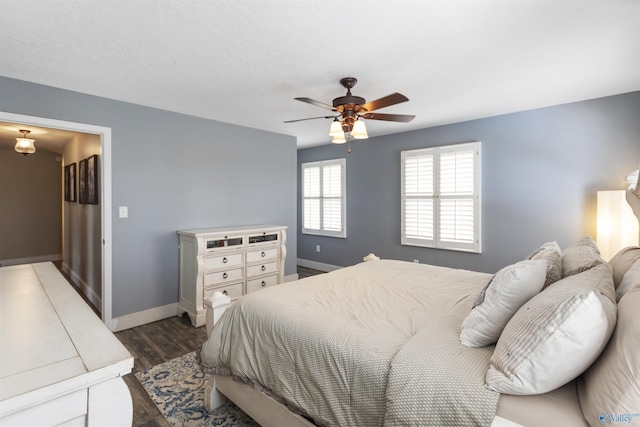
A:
x: 499, y: 299
x: 551, y: 253
x: 630, y: 280
x: 610, y: 387
x: 556, y: 335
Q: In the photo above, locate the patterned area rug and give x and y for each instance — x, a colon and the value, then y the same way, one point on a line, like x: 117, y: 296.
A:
x: 177, y: 389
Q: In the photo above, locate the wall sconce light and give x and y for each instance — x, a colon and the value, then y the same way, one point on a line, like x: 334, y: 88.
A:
x: 617, y: 225
x: 25, y: 145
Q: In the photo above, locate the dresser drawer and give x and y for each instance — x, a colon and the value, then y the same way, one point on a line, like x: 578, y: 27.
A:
x: 233, y: 290
x: 262, y: 255
x: 216, y: 277
x: 264, y: 268
x: 262, y: 282
x: 223, y: 261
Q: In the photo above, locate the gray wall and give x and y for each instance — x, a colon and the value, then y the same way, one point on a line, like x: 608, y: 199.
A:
x: 82, y: 258
x: 540, y: 173
x: 30, y: 205
x: 174, y: 172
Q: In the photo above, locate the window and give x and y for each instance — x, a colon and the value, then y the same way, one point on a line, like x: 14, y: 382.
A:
x: 441, y: 197
x: 323, y: 198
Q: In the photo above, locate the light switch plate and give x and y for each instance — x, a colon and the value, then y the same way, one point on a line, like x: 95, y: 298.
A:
x: 123, y: 212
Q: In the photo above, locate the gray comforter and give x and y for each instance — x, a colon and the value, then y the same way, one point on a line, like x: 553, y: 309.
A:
x: 375, y: 344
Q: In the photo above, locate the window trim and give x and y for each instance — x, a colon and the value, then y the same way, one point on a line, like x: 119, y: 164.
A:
x: 436, y: 242
x: 321, y: 231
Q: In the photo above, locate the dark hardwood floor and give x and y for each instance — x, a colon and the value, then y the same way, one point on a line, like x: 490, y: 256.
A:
x: 159, y: 342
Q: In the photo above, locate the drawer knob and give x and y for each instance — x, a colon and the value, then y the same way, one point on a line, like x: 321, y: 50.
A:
x: 264, y: 268
x: 263, y: 254
x: 224, y: 260
x: 264, y: 283
x: 225, y: 292
x: 225, y: 275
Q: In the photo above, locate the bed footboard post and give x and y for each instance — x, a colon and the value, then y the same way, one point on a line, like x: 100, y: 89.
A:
x: 215, y: 305
x: 212, y: 397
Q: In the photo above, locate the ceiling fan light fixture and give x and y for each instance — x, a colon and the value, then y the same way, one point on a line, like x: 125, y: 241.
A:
x: 359, y: 130
x: 336, y: 128
x: 339, y: 139
x: 25, y: 145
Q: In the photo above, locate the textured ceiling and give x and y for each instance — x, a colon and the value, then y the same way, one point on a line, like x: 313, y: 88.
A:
x: 243, y: 62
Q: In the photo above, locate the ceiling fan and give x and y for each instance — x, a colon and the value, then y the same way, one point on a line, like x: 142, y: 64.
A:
x: 350, y: 109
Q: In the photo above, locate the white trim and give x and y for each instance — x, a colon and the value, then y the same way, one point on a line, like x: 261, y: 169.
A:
x: 105, y: 184
x: 140, y: 318
x: 317, y: 265
x: 31, y: 260
x: 291, y: 278
x: 86, y: 290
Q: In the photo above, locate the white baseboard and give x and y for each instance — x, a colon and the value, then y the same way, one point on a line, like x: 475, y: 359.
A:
x: 86, y: 290
x: 31, y: 260
x: 317, y: 265
x: 291, y: 278
x: 139, y: 318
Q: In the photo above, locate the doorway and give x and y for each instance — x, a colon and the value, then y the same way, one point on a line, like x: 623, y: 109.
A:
x: 104, y: 183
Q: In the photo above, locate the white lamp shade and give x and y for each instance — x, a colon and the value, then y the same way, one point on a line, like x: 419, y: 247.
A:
x: 336, y: 129
x: 617, y: 225
x: 359, y: 130
x: 339, y: 139
x: 25, y: 145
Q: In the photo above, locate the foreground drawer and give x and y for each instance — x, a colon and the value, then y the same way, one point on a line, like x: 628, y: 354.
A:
x: 223, y: 276
x: 265, y: 268
x: 262, y: 255
x: 233, y: 290
x: 261, y: 283
x: 223, y: 261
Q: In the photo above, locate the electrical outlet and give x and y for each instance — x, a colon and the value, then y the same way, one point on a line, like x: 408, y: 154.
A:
x: 317, y: 248
x: 417, y: 261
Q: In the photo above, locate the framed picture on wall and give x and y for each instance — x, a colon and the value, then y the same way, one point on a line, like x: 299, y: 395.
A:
x: 82, y: 181
x: 70, y: 183
x: 92, y: 180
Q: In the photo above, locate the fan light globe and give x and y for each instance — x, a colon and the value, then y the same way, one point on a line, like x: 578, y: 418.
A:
x: 336, y: 129
x: 339, y: 139
x: 359, y: 130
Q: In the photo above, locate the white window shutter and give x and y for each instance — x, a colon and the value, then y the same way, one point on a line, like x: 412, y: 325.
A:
x: 324, y: 201
x: 441, y: 197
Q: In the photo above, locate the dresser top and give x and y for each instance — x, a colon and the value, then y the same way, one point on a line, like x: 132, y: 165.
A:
x: 245, y: 229
x: 50, y: 337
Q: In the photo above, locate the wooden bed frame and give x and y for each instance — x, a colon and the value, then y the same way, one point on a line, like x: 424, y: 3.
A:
x: 263, y: 409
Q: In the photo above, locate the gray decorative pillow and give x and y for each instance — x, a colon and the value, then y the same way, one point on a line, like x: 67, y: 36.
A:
x: 610, y: 385
x: 622, y: 261
x: 630, y: 280
x: 551, y: 253
x: 581, y: 256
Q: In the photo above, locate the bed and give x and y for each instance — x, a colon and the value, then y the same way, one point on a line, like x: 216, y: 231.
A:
x: 379, y: 343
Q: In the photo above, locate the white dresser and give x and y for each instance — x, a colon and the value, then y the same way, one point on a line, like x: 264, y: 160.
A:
x: 232, y: 260
x: 59, y: 364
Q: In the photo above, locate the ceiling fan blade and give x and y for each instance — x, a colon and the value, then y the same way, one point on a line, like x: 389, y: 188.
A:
x: 316, y: 103
x: 393, y: 99
x: 310, y: 118
x: 406, y: 118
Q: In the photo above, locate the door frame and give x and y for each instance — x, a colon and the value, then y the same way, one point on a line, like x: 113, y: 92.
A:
x: 105, y: 187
